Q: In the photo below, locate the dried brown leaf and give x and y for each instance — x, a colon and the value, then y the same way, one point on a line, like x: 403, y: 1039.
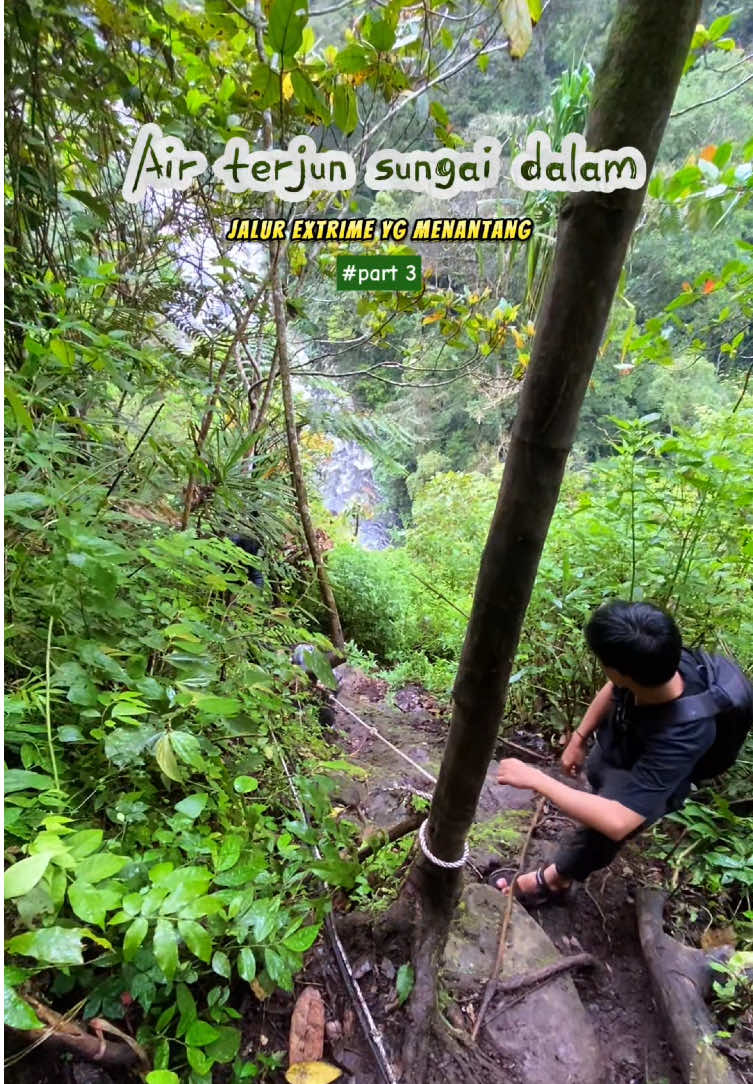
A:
x: 307, y: 1027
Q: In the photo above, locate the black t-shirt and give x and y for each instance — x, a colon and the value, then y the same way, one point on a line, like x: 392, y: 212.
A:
x: 643, y: 762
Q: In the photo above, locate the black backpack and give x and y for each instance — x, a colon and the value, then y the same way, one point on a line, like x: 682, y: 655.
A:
x: 729, y: 698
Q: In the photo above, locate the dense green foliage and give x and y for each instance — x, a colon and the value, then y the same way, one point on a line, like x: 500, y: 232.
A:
x: 659, y: 519
x: 169, y: 833
x: 159, y: 851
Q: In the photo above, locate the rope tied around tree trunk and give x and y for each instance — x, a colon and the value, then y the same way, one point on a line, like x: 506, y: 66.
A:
x: 457, y: 864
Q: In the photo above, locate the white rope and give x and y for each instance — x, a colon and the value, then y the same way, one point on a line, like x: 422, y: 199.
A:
x: 422, y: 830
x: 373, y: 730
x: 432, y: 857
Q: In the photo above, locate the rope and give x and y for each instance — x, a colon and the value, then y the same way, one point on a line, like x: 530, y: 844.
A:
x: 432, y: 857
x: 373, y: 730
x: 422, y: 830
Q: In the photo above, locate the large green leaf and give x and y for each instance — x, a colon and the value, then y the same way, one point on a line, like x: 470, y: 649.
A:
x: 21, y: 877
x: 17, y: 1012
x: 225, y: 1046
x: 165, y: 757
x: 91, y: 902
x: 302, y: 939
x: 306, y: 93
x: 125, y: 745
x: 286, y: 23
x: 134, y: 937
x: 24, y: 501
x: 100, y: 866
x: 16, y: 779
x: 184, y: 885
x: 165, y: 947
x: 318, y: 662
x: 192, y: 806
x: 381, y: 34
x: 277, y: 969
x: 196, y: 937
x: 265, y: 917
x: 221, y: 964
x: 404, y: 983
x: 230, y: 852
x: 52, y: 945
x: 200, y: 1033
x: 245, y: 784
x: 187, y: 749
x: 246, y: 964
x: 82, y: 844
x: 218, y: 705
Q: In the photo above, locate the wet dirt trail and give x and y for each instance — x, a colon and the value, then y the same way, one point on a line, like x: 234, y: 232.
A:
x: 598, y: 918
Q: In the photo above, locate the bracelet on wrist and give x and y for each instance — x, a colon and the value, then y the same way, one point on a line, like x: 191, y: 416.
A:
x: 577, y: 733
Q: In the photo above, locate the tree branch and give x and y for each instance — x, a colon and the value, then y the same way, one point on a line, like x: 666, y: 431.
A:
x: 716, y: 98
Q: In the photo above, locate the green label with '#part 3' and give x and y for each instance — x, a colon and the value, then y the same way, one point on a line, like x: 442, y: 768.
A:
x: 379, y: 272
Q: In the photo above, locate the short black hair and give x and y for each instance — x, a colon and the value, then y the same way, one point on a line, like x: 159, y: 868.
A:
x: 637, y: 639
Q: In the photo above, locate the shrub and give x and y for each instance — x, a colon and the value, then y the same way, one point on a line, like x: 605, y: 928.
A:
x: 373, y: 601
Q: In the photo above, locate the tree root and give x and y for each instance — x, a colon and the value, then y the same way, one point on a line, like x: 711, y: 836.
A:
x: 466, y: 1058
x: 64, y: 1034
x: 429, y: 896
x: 390, y: 835
x: 567, y: 963
x: 535, y: 979
x: 681, y: 978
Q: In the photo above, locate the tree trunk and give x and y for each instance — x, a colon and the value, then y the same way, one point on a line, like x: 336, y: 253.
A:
x: 277, y: 254
x: 294, y: 458
x: 211, y: 406
x: 632, y: 97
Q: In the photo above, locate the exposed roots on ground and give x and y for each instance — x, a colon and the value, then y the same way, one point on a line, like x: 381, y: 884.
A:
x: 458, y: 1058
x: 427, y: 903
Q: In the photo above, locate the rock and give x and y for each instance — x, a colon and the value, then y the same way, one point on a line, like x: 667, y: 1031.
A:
x: 363, y: 967
x: 497, y: 840
x: 495, y: 796
x: 547, y: 1034
x: 388, y: 969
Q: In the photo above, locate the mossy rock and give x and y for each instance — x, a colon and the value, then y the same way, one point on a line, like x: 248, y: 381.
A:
x: 499, y: 838
x: 547, y: 1035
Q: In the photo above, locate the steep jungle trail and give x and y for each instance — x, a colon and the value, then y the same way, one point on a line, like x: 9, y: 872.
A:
x: 596, y: 1025
x: 620, y: 1037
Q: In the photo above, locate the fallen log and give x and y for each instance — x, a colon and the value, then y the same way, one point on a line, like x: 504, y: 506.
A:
x: 682, y: 980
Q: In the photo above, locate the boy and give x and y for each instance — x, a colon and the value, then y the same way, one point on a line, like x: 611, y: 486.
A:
x: 639, y: 769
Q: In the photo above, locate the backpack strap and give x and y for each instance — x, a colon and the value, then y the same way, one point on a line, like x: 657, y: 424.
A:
x: 685, y: 709
x: 727, y: 688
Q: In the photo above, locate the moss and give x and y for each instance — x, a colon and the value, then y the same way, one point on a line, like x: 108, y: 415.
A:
x: 501, y: 833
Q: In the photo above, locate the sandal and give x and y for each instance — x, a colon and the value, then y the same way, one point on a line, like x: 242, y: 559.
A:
x: 543, y: 894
